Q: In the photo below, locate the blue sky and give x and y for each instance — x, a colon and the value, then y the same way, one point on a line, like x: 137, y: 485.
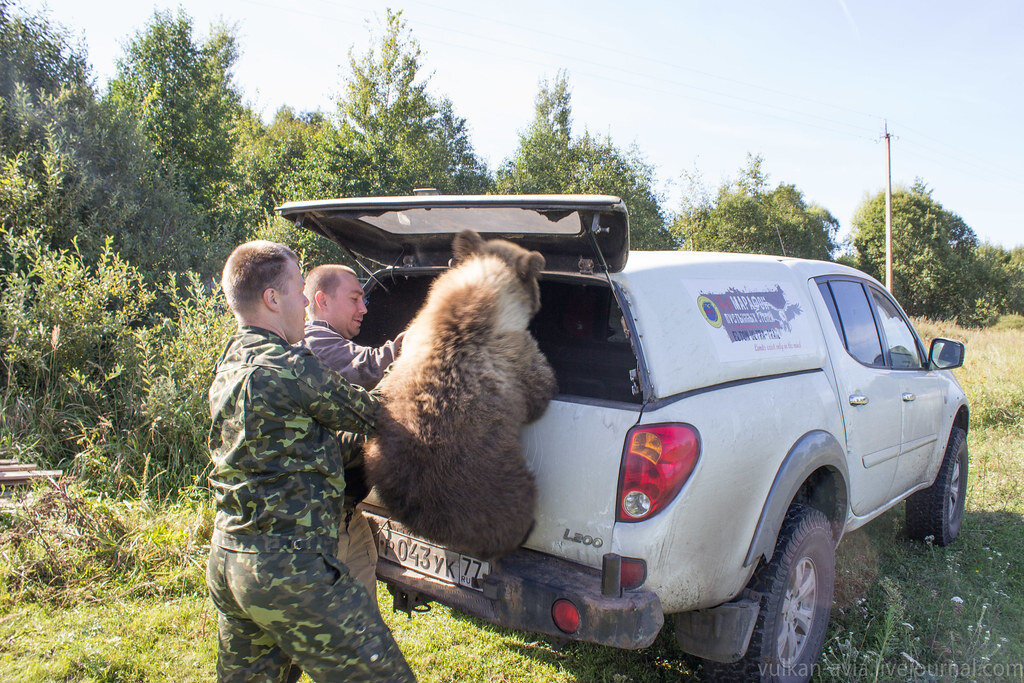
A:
x: 694, y: 85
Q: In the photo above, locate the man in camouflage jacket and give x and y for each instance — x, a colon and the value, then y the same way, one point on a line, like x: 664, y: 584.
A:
x: 283, y: 597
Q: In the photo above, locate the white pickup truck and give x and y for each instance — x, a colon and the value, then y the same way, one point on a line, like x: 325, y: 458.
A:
x: 722, y: 420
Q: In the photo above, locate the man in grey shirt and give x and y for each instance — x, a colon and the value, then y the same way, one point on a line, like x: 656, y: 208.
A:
x: 334, y: 316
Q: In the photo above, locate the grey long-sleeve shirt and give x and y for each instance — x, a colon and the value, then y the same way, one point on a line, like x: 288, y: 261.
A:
x: 362, y: 365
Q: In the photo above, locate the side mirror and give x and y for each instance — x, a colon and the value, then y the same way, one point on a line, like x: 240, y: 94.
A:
x: 945, y: 354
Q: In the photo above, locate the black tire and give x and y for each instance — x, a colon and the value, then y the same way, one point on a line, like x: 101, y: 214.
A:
x: 796, y: 590
x: 938, y: 510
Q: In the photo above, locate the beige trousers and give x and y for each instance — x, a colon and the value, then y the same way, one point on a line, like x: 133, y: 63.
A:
x: 358, y: 552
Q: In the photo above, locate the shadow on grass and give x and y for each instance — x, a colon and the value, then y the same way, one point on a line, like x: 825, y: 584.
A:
x: 880, y: 574
x: 661, y: 661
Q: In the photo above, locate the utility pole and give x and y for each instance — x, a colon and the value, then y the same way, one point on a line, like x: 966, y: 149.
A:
x: 888, y: 212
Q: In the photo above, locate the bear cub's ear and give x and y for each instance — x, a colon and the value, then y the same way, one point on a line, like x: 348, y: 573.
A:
x: 465, y: 244
x: 529, y: 265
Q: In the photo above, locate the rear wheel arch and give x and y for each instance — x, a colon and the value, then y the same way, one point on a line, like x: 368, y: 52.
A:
x: 813, y: 474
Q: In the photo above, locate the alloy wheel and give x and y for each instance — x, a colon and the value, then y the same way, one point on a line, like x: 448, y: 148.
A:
x: 797, y: 611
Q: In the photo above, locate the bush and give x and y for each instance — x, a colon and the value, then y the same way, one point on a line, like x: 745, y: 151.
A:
x: 104, y: 374
x: 81, y: 172
x: 1013, y: 321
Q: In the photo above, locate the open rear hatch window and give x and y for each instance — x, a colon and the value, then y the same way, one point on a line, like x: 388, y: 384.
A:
x: 576, y: 233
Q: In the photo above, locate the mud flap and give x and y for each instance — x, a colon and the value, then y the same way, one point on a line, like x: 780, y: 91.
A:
x: 719, y: 634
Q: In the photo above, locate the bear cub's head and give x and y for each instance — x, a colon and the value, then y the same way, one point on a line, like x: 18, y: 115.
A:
x: 524, y: 263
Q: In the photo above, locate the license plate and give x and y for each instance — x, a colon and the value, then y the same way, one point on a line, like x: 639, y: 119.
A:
x: 427, y: 558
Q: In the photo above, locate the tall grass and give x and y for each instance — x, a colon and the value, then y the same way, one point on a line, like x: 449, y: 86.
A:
x: 63, y: 546
x: 993, y: 370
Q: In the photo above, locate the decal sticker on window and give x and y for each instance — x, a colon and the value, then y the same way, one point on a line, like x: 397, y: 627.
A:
x: 751, y: 319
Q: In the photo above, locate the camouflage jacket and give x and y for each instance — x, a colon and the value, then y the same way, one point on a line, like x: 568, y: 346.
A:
x: 278, y: 467
x: 362, y: 365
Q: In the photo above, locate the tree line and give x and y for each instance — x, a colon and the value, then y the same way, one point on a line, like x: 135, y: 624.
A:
x: 168, y: 167
x: 118, y: 206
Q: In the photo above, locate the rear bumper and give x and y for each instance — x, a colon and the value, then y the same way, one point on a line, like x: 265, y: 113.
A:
x: 523, y: 586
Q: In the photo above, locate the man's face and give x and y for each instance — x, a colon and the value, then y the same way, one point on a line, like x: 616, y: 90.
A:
x: 344, y: 308
x: 292, y: 304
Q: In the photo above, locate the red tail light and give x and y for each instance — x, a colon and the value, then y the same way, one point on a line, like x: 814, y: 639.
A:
x: 657, y: 462
x: 565, y: 615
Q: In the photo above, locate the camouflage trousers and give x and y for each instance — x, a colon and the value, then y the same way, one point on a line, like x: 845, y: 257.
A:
x: 283, y: 607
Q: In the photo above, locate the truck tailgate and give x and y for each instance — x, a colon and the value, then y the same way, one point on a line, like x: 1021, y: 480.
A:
x: 575, y: 451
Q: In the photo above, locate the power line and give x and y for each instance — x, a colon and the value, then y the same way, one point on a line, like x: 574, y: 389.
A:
x: 634, y: 73
x: 629, y: 72
x: 674, y: 65
x: 991, y: 171
x: 1003, y: 174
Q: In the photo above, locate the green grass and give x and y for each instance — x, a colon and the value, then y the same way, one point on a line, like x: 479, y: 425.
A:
x: 112, y: 640
x: 118, y: 593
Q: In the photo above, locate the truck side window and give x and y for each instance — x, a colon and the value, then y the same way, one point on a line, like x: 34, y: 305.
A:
x: 858, y: 324
x: 898, y: 336
x: 826, y: 294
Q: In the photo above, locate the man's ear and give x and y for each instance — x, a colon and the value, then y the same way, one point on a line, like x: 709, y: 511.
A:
x: 529, y: 265
x: 319, y: 300
x: 271, y: 299
x: 465, y: 244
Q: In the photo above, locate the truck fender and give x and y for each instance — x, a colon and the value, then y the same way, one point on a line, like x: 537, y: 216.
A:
x: 816, y: 453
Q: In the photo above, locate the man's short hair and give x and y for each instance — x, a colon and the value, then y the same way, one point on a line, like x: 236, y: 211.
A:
x: 251, y: 269
x: 325, y: 278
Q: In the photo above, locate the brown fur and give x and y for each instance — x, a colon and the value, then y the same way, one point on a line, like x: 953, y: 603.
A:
x: 447, y: 460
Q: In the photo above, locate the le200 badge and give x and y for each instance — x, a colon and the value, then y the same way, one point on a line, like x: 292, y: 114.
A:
x: 582, y: 538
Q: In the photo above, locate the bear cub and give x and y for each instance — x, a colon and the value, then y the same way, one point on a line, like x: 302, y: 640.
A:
x: 447, y: 459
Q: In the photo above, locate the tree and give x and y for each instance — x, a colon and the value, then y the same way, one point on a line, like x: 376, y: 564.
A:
x: 269, y: 158
x: 550, y: 161
x: 182, y: 94
x: 330, y: 166
x: 999, y: 282
x: 544, y: 163
x: 390, y: 136
x: 933, y: 253
x: 407, y: 137
x: 37, y: 57
x: 74, y: 169
x: 749, y: 217
x: 1015, y: 270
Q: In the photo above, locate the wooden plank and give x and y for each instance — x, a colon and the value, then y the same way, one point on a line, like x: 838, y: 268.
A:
x: 8, y: 462
x: 25, y: 475
x: 13, y: 467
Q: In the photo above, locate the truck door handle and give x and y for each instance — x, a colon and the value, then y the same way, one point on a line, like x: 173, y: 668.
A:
x: 908, y: 397
x: 858, y: 400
